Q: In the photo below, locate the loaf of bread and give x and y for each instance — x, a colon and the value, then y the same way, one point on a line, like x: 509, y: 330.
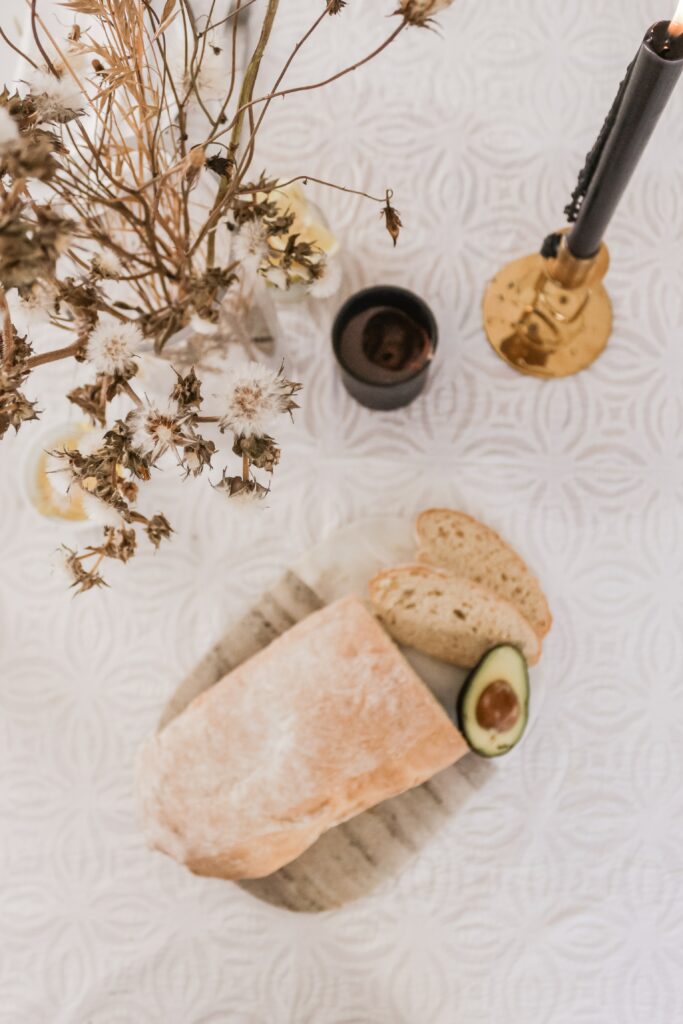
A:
x: 325, y: 722
x: 465, y: 547
x: 449, y: 617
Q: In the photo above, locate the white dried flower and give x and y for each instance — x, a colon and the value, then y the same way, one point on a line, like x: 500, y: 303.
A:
x: 255, y: 395
x: 9, y: 132
x: 99, y: 511
x: 277, y: 277
x: 91, y: 441
x: 57, y: 99
x: 250, y: 245
x: 112, y: 347
x: 107, y: 264
x: 155, y: 430
x: 33, y: 308
x: 328, y: 285
x: 419, y: 12
x: 201, y: 325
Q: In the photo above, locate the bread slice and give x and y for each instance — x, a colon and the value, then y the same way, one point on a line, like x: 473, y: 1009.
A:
x: 459, y: 544
x: 326, y: 721
x: 449, y: 617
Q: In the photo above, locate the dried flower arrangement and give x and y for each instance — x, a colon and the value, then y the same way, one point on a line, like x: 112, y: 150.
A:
x: 107, y: 231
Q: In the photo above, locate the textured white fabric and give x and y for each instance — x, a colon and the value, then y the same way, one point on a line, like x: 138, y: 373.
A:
x: 555, y: 896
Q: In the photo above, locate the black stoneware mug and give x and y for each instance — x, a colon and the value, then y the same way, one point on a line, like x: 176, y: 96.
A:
x: 384, y: 339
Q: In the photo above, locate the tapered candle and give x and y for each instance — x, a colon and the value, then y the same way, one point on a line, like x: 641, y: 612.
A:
x: 642, y: 97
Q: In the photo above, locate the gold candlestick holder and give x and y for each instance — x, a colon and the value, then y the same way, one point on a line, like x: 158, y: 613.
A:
x: 549, y: 316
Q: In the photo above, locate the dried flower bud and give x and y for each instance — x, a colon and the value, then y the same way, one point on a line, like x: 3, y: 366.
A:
x: 82, y: 297
x: 81, y: 578
x: 120, y: 442
x: 57, y: 99
x: 392, y: 218
x: 187, y: 390
x: 9, y: 130
x: 236, y: 488
x: 93, y: 398
x: 196, y: 455
x: 15, y: 408
x: 223, y: 166
x: 420, y: 12
x: 192, y: 165
x: 157, y: 529
x: 31, y: 156
x: 118, y: 543
x: 262, y: 451
x: 31, y: 241
x: 128, y: 490
x: 335, y: 6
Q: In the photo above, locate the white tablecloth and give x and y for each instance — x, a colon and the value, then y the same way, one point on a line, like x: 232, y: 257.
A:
x: 555, y: 896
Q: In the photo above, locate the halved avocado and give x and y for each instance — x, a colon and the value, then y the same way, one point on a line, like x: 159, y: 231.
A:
x: 493, y: 706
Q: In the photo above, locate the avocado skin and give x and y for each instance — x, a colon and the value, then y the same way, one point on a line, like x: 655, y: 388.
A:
x: 462, y: 697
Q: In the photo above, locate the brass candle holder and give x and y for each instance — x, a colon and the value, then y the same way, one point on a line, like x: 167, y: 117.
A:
x: 550, y: 315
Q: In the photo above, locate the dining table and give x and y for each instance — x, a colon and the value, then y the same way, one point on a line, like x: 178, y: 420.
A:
x: 555, y: 894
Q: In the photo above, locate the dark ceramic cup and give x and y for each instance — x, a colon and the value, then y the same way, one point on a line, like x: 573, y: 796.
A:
x: 378, y: 387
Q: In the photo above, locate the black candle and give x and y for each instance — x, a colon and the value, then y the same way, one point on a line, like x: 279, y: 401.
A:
x: 384, y: 339
x: 649, y: 83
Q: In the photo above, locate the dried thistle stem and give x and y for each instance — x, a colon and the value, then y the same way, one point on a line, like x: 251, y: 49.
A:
x: 135, y: 398
x: 246, y: 93
x: 7, y: 330
x: 319, y: 181
x: 54, y: 355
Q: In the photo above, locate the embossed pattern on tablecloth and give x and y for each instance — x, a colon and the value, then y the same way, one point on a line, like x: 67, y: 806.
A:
x: 555, y: 898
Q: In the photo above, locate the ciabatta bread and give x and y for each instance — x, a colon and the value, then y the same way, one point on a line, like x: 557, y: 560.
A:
x: 465, y: 547
x: 449, y: 617
x: 327, y: 721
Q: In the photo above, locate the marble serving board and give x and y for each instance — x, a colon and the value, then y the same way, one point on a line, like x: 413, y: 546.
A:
x: 354, y: 858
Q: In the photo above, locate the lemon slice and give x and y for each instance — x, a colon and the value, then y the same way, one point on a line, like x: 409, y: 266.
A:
x: 49, y: 490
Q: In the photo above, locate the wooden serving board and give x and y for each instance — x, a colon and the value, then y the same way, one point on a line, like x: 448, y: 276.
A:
x: 354, y: 858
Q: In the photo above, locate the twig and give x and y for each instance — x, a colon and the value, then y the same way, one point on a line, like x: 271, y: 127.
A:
x: 306, y: 36
x: 13, y: 46
x: 132, y: 395
x: 246, y: 91
x: 7, y: 330
x: 38, y: 41
x: 318, y: 181
x: 54, y: 355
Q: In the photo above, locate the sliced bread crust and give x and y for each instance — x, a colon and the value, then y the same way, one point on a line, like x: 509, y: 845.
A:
x: 449, y: 617
x: 326, y: 721
x: 456, y: 542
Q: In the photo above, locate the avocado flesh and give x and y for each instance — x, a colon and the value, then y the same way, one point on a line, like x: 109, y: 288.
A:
x: 507, y: 665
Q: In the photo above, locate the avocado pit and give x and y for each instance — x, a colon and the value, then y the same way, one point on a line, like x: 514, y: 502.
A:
x: 498, y: 707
